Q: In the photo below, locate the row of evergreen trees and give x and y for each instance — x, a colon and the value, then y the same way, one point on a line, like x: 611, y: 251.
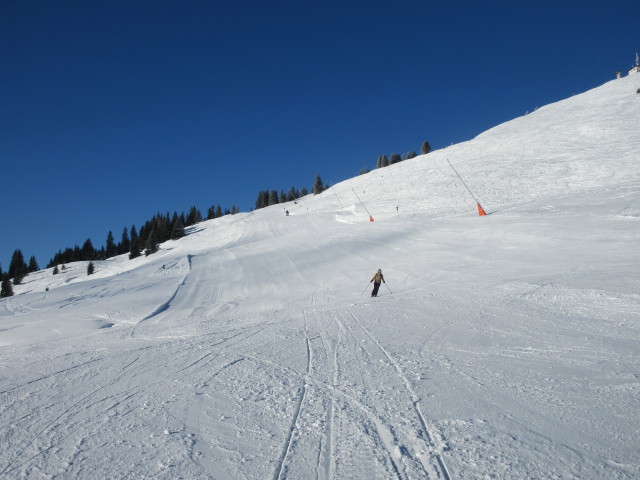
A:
x: 18, y: 269
x: 153, y: 232
x: 384, y: 161
x: 162, y: 228
x: 271, y: 197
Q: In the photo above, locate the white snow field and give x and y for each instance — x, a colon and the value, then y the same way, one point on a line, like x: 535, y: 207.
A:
x: 502, y: 346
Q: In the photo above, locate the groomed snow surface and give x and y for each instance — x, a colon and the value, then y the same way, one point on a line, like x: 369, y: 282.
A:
x: 504, y: 346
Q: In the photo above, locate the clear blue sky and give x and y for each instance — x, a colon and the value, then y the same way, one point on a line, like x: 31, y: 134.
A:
x: 111, y: 111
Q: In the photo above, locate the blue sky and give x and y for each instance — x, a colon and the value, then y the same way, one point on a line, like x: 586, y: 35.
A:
x: 111, y: 111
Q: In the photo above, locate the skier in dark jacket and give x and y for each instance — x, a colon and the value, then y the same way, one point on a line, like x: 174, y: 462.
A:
x: 377, y: 279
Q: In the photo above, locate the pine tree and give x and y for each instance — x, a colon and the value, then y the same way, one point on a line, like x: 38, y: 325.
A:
x: 134, y: 249
x: 304, y: 192
x: 385, y: 161
x: 18, y: 269
x: 260, y: 200
x: 152, y: 244
x: 395, y: 158
x: 55, y: 270
x: 125, y: 242
x: 218, y: 211
x: 33, y: 265
x: 193, y: 217
x: 17, y: 263
x: 273, y: 198
x: 426, y: 148
x: 164, y: 229
x: 318, y: 186
x: 88, y: 252
x: 111, y: 250
x: 234, y: 210
x: 178, y: 230
x: 134, y: 235
x: 90, y: 268
x: 211, y: 213
x: 6, y: 290
x: 21, y: 272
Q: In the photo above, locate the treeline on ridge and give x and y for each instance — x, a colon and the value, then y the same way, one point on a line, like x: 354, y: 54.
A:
x: 385, y: 161
x: 152, y: 233
x: 161, y: 228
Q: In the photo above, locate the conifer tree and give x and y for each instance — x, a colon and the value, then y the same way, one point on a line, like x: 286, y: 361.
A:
x: 6, y: 290
x: 17, y: 263
x: 218, y: 211
x: 88, y: 252
x: 273, y: 198
x: 55, y: 270
x: 111, y: 250
x: 21, y: 272
x: 33, y: 265
x: 152, y: 244
x: 304, y: 192
x: 134, y: 249
x: 318, y: 186
x: 193, y: 217
x: 178, y: 230
x: 134, y: 234
x: 259, y: 204
x: 426, y: 148
x: 125, y: 242
x: 395, y: 158
x: 90, y: 268
x: 385, y: 161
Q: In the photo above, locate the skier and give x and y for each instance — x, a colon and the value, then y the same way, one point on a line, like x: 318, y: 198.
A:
x: 377, y: 278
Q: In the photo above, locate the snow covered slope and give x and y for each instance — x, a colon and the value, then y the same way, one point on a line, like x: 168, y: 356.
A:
x: 503, y: 346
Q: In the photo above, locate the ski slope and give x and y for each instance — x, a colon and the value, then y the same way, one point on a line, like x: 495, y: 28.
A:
x: 503, y: 346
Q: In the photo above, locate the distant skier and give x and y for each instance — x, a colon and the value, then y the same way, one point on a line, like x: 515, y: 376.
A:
x: 377, y: 279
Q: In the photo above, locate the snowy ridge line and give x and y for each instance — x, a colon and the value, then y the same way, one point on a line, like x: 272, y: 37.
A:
x: 444, y: 472
x: 303, y: 391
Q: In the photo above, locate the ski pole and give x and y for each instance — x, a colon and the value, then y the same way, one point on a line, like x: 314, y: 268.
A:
x: 385, y: 284
x: 365, y: 289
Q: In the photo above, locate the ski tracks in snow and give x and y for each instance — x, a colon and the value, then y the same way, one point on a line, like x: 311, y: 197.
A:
x: 434, y: 451
x: 344, y: 422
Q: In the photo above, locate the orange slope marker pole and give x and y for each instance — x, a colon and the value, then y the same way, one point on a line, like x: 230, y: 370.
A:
x: 481, y: 211
x: 370, y: 217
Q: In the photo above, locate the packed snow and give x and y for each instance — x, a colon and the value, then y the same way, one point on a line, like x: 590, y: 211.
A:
x: 501, y: 346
